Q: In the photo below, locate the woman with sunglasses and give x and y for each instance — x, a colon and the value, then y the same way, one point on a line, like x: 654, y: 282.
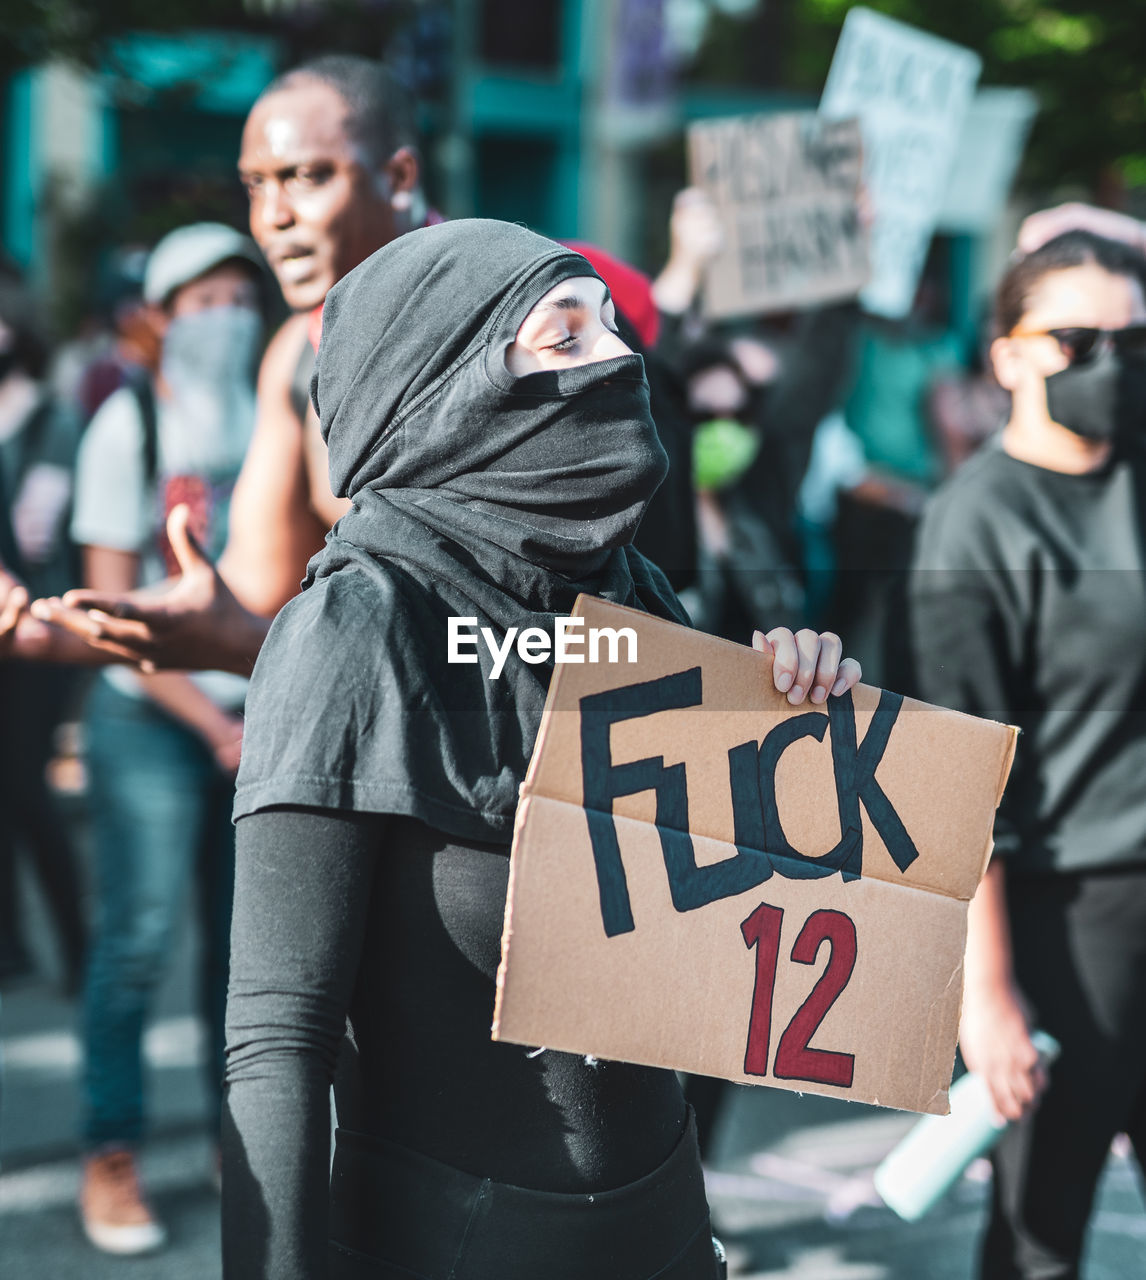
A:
x: 1030, y: 563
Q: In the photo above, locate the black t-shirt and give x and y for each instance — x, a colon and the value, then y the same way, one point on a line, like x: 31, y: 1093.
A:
x: 1027, y: 604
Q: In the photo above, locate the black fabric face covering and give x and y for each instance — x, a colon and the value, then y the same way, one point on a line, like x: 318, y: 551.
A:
x: 1103, y: 399
x: 475, y: 494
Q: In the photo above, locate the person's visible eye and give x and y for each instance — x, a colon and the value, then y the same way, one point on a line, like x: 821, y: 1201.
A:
x: 566, y: 344
x: 307, y: 176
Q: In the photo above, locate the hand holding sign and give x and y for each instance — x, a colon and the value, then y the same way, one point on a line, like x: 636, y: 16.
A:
x: 779, y: 890
x: 807, y: 664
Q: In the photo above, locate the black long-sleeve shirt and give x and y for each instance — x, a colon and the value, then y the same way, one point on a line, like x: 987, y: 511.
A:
x: 1027, y: 604
x: 382, y: 920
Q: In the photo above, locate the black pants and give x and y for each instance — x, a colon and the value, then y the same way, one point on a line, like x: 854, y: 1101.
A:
x: 396, y: 1214
x: 399, y: 927
x: 34, y: 697
x: 1080, y: 958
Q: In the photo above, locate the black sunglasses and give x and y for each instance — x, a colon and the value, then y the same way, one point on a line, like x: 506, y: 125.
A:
x: 1080, y: 346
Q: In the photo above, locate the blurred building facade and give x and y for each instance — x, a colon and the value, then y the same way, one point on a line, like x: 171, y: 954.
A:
x: 567, y: 116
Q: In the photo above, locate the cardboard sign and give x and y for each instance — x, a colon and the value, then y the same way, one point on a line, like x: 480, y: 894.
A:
x: 911, y: 92
x: 706, y: 878
x: 990, y: 147
x: 786, y: 187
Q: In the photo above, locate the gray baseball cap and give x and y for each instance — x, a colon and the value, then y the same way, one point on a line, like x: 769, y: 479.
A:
x: 187, y: 253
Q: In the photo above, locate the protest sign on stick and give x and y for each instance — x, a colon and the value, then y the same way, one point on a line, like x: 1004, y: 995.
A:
x: 911, y: 92
x: 786, y: 187
x: 707, y: 878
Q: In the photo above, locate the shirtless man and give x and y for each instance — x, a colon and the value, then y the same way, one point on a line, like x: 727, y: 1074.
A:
x: 328, y: 162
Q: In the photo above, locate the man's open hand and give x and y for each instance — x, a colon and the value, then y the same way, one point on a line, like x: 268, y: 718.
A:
x: 192, y: 622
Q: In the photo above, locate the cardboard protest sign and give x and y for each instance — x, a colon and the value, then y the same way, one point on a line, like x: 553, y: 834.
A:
x: 786, y: 187
x: 990, y: 147
x: 706, y: 878
x: 911, y: 92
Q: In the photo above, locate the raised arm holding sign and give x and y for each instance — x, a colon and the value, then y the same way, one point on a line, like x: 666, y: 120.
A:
x: 787, y: 191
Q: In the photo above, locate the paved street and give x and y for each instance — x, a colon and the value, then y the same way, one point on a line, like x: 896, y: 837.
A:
x: 40, y: 1235
x: 791, y: 1186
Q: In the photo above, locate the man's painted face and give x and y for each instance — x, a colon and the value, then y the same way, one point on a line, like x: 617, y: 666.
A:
x: 317, y: 208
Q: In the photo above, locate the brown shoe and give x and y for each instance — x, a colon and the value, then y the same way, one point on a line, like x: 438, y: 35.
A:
x: 115, y: 1214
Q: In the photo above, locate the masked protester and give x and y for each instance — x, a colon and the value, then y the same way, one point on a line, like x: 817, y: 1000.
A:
x: 494, y: 435
x: 163, y: 749
x: 1031, y: 559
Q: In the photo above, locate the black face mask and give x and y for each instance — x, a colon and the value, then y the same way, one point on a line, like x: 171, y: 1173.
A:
x: 1103, y: 399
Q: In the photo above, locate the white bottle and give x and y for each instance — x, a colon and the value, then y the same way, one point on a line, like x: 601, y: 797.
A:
x: 934, y: 1154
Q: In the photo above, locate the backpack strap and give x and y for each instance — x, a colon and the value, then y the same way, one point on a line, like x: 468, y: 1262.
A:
x: 144, y: 394
x: 300, y: 381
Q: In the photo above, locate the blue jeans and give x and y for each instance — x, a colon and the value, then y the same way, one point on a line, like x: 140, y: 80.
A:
x: 161, y: 816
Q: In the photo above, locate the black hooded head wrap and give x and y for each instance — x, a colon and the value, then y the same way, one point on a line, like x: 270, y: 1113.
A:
x: 476, y: 494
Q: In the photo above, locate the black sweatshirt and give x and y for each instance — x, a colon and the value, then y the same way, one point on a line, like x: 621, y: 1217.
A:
x: 1027, y: 604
